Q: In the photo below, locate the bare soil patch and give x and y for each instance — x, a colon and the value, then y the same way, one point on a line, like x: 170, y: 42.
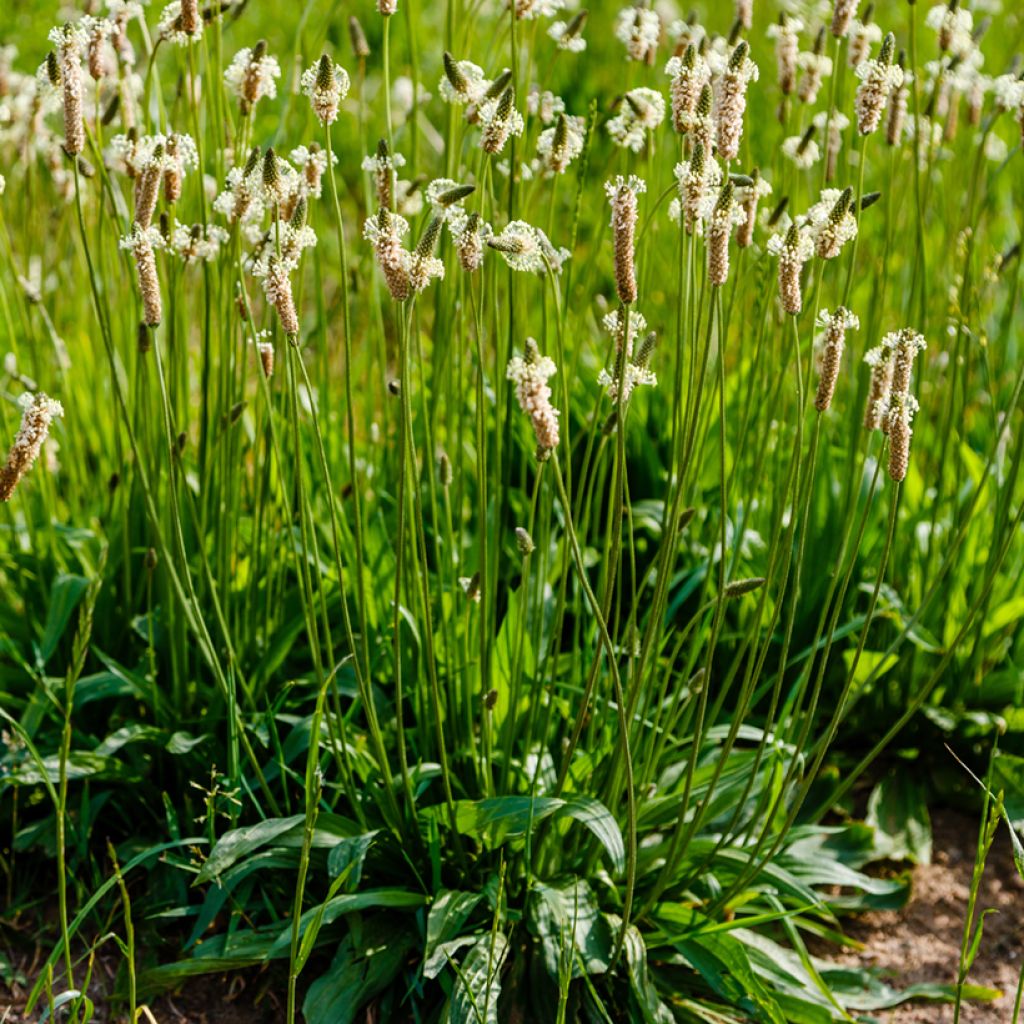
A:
x: 240, y: 997
x: 921, y: 942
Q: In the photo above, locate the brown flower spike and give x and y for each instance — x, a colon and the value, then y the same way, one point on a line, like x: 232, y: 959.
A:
x: 39, y: 412
x: 622, y: 193
x: 836, y: 325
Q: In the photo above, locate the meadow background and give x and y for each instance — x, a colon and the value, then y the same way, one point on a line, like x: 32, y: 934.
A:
x: 309, y: 656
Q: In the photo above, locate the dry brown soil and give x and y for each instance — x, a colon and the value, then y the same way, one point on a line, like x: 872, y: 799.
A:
x: 921, y: 942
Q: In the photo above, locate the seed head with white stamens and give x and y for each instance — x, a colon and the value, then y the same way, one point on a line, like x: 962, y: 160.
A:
x: 732, y: 100
x: 689, y: 74
x: 622, y: 194
x: 638, y: 29
x: 326, y: 84
x: 38, y: 413
x: 878, y: 78
x: 835, y: 326
x: 785, y: 32
x: 530, y: 373
x: 793, y: 250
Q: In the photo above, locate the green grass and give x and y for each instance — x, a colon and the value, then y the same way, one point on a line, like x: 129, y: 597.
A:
x: 333, y: 667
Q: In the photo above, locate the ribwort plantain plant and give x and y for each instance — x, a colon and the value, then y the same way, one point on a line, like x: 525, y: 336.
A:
x: 482, y: 479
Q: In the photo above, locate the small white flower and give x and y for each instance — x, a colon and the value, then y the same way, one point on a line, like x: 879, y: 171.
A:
x: 803, y: 153
x: 557, y: 148
x: 635, y: 370
x: 687, y: 83
x: 251, y: 78
x: 530, y: 374
x: 527, y: 248
x: 499, y: 120
x: 878, y: 79
x: 530, y: 10
x: 471, y: 83
x: 837, y: 121
x: 574, y: 43
x: 70, y: 40
x: 139, y: 236
x: 698, y: 192
x: 908, y: 341
x: 197, y: 243
x: 469, y: 243
x: 638, y: 29
x: 636, y: 322
x: 683, y: 33
x: 545, y: 105
x: 444, y: 206
x: 311, y: 163
x: 124, y: 9
x: 815, y: 68
x: 423, y: 269
x: 326, y: 85
x: 169, y: 25
x: 996, y: 149
x: 953, y: 26
x: 642, y: 111
x: 861, y: 40
x: 842, y: 316
x: 1008, y: 91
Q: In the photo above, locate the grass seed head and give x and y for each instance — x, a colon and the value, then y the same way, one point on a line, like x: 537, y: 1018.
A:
x: 787, y: 50
x: 69, y: 41
x: 500, y: 121
x: 878, y: 80
x: 530, y: 373
x: 524, y: 542
x: 880, y: 361
x: 265, y: 350
x: 719, y: 233
x: 357, y: 37
x: 147, y: 186
x: 842, y: 15
x: 836, y: 325
x: 469, y: 243
x: 278, y: 288
x: 737, y: 588
x: 732, y: 100
x: 622, y: 194
x: 793, y: 250
x: 38, y: 412
x: 190, y: 23
x: 752, y: 195
x: 326, y: 84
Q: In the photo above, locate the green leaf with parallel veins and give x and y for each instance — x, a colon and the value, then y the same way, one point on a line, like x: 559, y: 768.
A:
x: 347, y: 857
x: 357, y: 974
x: 898, y: 812
x: 448, y: 914
x: 722, y: 962
x: 599, y: 820
x: 569, y: 924
x: 240, y: 842
x: 475, y: 996
x: 329, y: 911
x: 66, y: 592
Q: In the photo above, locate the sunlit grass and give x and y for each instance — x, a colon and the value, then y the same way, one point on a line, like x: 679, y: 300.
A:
x: 505, y: 495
